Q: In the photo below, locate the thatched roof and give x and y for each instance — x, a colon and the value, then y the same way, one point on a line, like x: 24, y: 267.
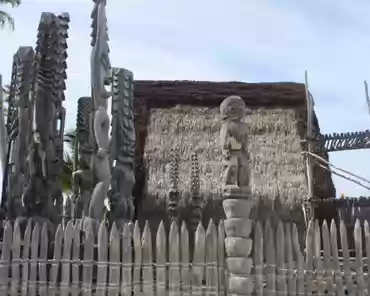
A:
x: 185, y: 114
x: 161, y: 94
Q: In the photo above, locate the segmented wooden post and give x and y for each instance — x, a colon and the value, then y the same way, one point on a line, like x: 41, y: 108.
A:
x: 237, y: 206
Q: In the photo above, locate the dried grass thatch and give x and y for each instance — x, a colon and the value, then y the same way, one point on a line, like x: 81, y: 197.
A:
x: 277, y: 167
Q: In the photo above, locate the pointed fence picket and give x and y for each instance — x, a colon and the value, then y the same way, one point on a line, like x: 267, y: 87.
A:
x: 111, y: 263
x: 81, y: 259
x: 280, y: 268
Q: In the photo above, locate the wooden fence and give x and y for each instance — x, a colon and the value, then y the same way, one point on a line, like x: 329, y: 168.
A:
x: 281, y: 269
x: 111, y: 263
x: 76, y: 262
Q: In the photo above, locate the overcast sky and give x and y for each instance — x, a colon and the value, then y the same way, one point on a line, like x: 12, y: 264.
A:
x: 251, y: 41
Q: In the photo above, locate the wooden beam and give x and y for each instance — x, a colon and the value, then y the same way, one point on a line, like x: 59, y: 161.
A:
x: 343, y: 141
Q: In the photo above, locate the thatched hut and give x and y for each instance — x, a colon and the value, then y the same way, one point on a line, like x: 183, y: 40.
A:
x: 185, y: 115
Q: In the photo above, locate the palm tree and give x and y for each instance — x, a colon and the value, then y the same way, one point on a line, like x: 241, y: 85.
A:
x: 6, y: 18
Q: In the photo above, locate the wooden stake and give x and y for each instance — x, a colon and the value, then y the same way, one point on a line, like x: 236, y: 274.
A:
x: 309, y: 136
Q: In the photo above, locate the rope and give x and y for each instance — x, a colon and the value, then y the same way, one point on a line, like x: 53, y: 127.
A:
x: 339, y: 169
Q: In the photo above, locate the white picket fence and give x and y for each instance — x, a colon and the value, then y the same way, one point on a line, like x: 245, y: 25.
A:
x: 119, y: 264
x: 76, y: 262
x: 280, y: 268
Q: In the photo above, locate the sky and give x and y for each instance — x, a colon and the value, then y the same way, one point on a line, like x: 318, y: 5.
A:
x: 218, y: 40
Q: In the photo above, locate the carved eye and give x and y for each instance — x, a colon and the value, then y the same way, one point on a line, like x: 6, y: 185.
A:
x: 232, y: 108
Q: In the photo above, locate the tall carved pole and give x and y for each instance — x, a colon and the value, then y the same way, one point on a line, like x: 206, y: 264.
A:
x: 309, y: 213
x: 196, y: 203
x: 100, y: 76
x: 10, y: 136
x: 173, y: 194
x: 18, y: 157
x: 17, y: 132
x: 237, y: 201
x: 42, y: 195
x: 82, y: 176
x: 3, y: 138
x: 122, y: 148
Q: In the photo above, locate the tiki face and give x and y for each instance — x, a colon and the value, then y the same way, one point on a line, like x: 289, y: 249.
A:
x: 233, y: 108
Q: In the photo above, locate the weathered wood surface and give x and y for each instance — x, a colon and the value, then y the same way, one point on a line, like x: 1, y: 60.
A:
x: 135, y: 262
x: 344, y: 141
x: 280, y: 268
x: 82, y: 262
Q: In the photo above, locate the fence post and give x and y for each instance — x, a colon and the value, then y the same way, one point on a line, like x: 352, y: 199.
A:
x: 237, y: 200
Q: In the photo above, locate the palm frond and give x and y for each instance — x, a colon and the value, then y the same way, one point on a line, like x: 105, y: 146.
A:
x: 6, y: 19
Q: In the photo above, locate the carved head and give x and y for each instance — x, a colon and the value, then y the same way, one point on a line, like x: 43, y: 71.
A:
x: 233, y: 107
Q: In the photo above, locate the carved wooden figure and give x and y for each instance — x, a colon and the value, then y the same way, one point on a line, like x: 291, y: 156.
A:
x: 100, y: 76
x: 233, y: 138
x: 122, y: 146
x: 42, y: 196
x: 82, y: 177
x: 17, y: 166
x: 237, y: 202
